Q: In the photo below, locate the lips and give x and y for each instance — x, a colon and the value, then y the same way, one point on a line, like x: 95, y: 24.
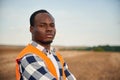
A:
x: 49, y: 35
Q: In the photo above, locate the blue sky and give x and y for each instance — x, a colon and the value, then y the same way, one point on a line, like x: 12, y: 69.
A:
x: 78, y: 22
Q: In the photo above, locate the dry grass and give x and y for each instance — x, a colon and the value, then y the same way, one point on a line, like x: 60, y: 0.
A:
x: 94, y: 65
x: 84, y: 65
x: 7, y: 65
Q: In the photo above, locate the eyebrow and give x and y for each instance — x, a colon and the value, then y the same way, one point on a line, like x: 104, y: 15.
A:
x: 46, y: 23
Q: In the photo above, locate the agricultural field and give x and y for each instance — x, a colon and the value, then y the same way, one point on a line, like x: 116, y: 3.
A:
x: 85, y: 65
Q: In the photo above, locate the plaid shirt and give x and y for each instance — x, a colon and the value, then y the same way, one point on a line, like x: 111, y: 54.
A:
x: 33, y: 68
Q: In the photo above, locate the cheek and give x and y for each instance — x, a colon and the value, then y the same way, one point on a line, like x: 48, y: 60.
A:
x: 39, y: 33
x: 54, y: 32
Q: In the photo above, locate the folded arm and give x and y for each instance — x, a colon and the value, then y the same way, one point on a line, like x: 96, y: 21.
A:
x: 33, y: 68
x: 68, y: 74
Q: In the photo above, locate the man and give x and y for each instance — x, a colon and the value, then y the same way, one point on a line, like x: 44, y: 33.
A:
x: 38, y: 60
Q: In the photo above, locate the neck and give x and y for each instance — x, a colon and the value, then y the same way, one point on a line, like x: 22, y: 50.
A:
x: 45, y: 45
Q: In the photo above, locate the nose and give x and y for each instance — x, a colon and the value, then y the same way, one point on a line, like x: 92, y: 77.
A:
x: 49, y: 27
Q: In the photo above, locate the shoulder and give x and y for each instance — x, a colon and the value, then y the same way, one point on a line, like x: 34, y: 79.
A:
x: 30, y: 58
x: 59, y: 55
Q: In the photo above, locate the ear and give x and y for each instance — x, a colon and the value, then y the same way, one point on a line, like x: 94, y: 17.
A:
x: 31, y: 29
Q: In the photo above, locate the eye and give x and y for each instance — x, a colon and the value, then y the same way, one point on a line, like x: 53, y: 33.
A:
x: 52, y: 25
x: 42, y: 25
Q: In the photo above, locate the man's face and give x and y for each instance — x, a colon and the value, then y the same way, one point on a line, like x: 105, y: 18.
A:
x: 43, y: 30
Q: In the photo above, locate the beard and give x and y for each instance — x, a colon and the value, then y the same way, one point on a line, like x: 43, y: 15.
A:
x: 46, y: 42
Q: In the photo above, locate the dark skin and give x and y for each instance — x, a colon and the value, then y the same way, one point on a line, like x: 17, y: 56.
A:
x: 43, y: 31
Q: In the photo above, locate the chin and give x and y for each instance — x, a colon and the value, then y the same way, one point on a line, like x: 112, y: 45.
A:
x: 46, y: 42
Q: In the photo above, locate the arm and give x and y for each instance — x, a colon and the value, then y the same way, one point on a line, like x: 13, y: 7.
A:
x: 68, y: 74
x: 33, y: 68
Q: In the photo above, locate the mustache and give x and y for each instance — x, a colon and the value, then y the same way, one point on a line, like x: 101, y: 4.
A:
x: 50, y: 33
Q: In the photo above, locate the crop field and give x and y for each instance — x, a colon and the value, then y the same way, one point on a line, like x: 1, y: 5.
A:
x: 85, y: 65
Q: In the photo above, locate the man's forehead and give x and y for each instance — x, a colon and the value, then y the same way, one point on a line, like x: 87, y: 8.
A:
x: 44, y: 15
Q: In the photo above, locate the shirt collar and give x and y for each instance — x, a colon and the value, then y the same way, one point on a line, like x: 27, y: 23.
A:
x: 41, y: 48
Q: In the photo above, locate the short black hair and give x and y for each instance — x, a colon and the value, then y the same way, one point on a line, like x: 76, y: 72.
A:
x: 32, y: 17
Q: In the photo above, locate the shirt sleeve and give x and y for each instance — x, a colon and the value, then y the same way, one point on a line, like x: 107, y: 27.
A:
x: 68, y: 74
x: 34, y: 68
